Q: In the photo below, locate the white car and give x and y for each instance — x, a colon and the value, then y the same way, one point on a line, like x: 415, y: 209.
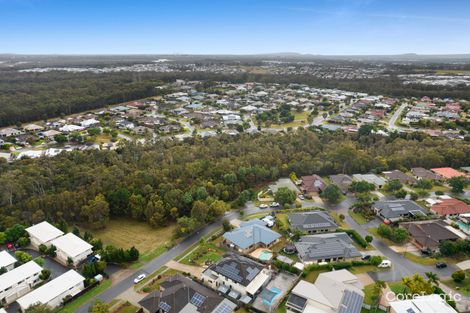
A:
x: 385, y: 264
x: 301, y: 197
x: 139, y: 278
x: 263, y: 206
x: 274, y: 205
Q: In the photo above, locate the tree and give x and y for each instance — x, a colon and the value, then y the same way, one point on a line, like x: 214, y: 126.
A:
x: 369, y: 238
x: 377, y: 290
x: 133, y: 254
x: 39, y: 261
x: 458, y: 276
x: 3, y: 238
x: 361, y: 186
x: 96, y: 212
x: 400, y: 194
x: 375, y: 260
x: 200, y: 211
x: 424, y: 184
x: 393, y: 185
x: 186, y: 225
x: 432, y: 278
x: 226, y: 225
x: 285, y: 196
x: 99, y: 307
x: 332, y: 193
x: 38, y: 308
x: 458, y: 184
x: 69, y: 261
x: 45, y: 274
x: 23, y: 257
x: 15, y: 232
x: 417, y: 285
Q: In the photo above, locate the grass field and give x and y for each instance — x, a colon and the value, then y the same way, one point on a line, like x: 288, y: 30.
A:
x: 452, y: 72
x: 74, y: 305
x: 397, y: 287
x: 463, y: 287
x: 300, y: 119
x: 208, y: 252
x: 125, y: 233
x: 127, y: 308
x: 423, y: 260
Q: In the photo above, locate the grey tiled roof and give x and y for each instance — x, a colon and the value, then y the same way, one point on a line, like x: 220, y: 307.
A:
x: 326, y: 246
x: 305, y: 221
x: 238, y: 268
x: 351, y: 302
x: 398, y: 208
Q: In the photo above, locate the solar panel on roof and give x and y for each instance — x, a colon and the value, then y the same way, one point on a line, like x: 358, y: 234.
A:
x: 252, y: 272
x: 223, y: 308
x: 198, y: 299
x: 314, y: 225
x: 410, y: 310
x: 164, y: 306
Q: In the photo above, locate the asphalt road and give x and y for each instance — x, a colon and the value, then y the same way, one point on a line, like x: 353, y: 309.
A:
x: 400, y: 265
x: 392, y: 123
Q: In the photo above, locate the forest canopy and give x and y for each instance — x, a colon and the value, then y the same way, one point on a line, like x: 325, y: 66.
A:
x: 195, y: 181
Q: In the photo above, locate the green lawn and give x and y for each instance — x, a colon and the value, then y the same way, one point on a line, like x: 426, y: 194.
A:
x: 300, y: 119
x: 74, y: 305
x: 369, y: 294
x: 374, y: 232
x: 155, y: 281
x: 313, y: 275
x: 364, y: 269
x: 463, y: 287
x: 206, y: 252
x: 359, y: 218
x: 127, y: 308
x: 397, y: 287
x: 423, y: 260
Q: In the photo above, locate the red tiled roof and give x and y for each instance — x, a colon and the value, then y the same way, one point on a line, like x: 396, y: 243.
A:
x: 450, y: 207
x: 447, y: 172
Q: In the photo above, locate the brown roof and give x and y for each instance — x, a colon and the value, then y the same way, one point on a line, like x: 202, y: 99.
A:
x: 450, y: 207
x: 424, y: 173
x: 428, y: 234
x: 399, y: 175
x: 312, y: 183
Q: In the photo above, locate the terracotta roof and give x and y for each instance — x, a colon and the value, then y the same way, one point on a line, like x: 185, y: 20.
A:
x: 447, y: 172
x: 450, y: 207
x: 313, y: 183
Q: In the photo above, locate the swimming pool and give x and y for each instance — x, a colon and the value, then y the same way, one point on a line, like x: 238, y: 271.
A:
x: 265, y: 255
x: 269, y: 295
x: 464, y: 227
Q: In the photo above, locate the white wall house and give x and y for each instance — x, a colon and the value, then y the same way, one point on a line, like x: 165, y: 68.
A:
x: 43, y: 233
x: 19, y: 281
x: 73, y: 247
x: 53, y: 293
x: 7, y: 261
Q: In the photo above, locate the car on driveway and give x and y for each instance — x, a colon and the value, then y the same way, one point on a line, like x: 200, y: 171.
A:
x: 301, y: 197
x: 365, y: 257
x: 441, y: 265
x: 139, y: 278
x: 263, y: 206
x: 274, y: 205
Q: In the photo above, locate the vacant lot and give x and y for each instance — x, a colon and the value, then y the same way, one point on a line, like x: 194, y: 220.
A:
x: 127, y: 233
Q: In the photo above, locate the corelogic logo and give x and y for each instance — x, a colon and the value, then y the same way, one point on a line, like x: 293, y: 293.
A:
x: 390, y: 296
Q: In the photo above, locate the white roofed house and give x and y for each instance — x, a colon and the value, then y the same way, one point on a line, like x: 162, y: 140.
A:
x: 43, y: 233
x: 73, y: 247
x: 54, y: 292
x: 19, y: 281
x: 9, y: 132
x: 7, y: 261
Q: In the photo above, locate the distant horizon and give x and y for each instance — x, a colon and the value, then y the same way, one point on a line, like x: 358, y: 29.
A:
x: 242, y: 27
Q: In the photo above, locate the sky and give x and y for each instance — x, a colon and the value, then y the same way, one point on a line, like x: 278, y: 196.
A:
x: 327, y: 27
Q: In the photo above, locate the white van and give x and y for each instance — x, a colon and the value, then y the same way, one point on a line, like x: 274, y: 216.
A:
x: 385, y: 264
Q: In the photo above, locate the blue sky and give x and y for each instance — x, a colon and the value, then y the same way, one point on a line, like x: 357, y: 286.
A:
x: 336, y: 27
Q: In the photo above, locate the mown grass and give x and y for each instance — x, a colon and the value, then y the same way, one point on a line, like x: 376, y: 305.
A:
x: 74, y: 305
x: 463, y: 287
x: 422, y: 260
x: 359, y: 218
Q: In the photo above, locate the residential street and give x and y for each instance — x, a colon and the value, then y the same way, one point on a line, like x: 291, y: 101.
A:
x: 400, y: 265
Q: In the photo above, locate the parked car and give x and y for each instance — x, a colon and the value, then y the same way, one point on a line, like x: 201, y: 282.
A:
x: 426, y: 252
x: 274, y: 205
x: 139, y: 278
x: 385, y: 264
x: 301, y: 197
x: 441, y: 265
x: 365, y: 257
x: 263, y: 206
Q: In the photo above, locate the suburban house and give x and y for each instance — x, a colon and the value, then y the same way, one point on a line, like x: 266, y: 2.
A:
x: 400, y: 176
x: 42, y: 234
x: 54, y: 292
x: 236, y: 275
x: 395, y: 210
x: 31, y: 128
x: 429, y: 234
x: 378, y: 181
x: 312, y: 185
x: 333, y: 292
x: 326, y: 248
x: 251, y: 235
x: 312, y: 222
x: 448, y: 172
x: 181, y: 294
x: 7, y: 261
x: 450, y: 207
x: 72, y: 247
x: 10, y: 132
x: 19, y: 281
x: 425, y: 304
x: 422, y: 173
x: 342, y: 181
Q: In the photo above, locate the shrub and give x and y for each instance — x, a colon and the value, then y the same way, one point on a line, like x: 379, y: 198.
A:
x: 458, y: 276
